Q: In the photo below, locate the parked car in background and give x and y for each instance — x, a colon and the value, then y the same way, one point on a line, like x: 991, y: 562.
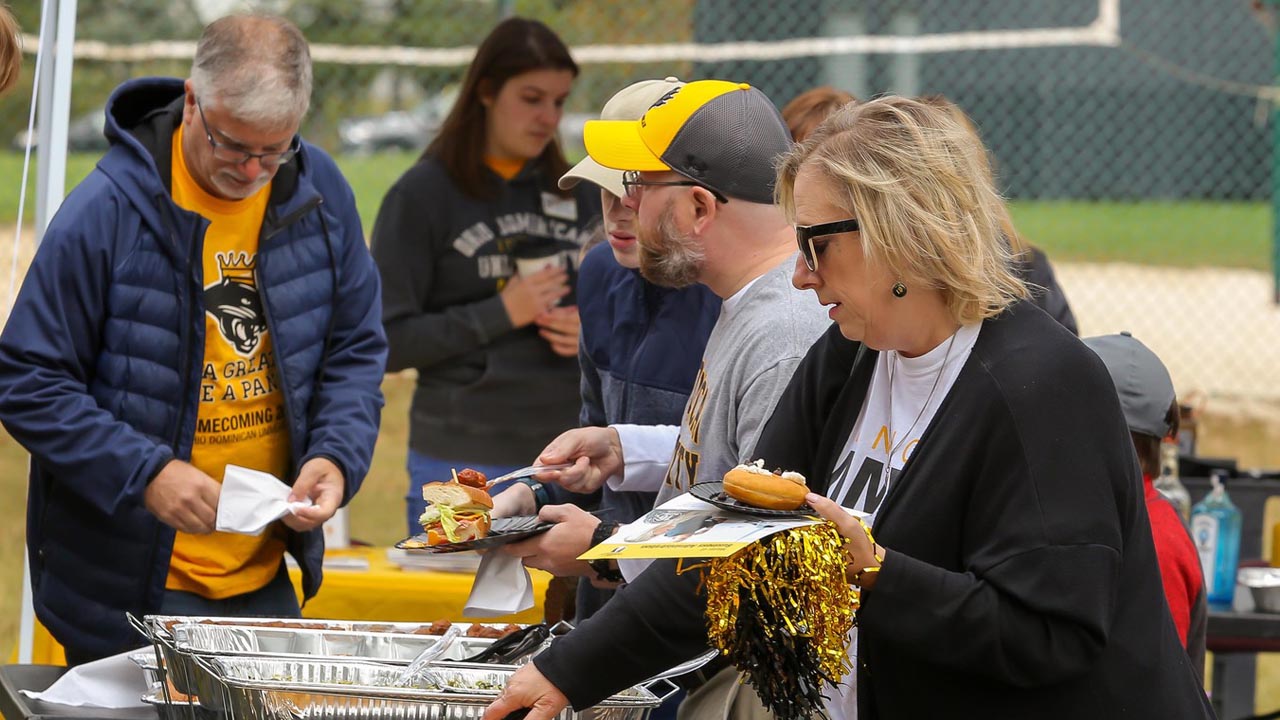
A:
x: 84, y: 134
x: 395, y: 130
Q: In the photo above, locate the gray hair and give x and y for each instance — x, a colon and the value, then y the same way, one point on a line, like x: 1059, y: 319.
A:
x: 256, y: 66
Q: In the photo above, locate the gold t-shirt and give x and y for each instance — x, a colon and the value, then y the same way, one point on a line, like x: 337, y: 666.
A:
x: 241, y: 419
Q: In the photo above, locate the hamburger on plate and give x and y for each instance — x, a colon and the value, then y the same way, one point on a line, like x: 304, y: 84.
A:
x: 456, y: 512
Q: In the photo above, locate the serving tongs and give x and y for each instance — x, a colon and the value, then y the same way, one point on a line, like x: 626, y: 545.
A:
x: 508, y: 649
x: 418, y: 668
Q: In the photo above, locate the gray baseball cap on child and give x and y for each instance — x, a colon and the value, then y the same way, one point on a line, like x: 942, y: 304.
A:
x: 1142, y: 381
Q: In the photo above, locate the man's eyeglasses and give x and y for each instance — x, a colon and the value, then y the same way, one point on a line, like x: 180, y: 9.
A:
x: 226, y: 153
x: 806, y: 233
x: 632, y: 183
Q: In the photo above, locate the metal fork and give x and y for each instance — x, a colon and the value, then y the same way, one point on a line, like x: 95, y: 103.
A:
x: 525, y: 472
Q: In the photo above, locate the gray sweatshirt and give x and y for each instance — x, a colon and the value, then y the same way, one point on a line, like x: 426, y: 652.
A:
x: 762, y: 333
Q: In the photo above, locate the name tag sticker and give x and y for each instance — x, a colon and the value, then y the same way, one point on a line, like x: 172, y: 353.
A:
x: 559, y: 207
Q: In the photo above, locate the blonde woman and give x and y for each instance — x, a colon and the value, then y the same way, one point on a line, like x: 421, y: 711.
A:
x: 1013, y: 573
x: 1013, y: 568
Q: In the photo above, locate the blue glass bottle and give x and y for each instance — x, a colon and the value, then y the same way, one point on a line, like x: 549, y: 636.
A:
x: 1215, y: 527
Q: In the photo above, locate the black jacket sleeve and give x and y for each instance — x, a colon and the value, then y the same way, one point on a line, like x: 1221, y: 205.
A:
x: 404, y: 248
x: 650, y: 625
x: 1037, y: 272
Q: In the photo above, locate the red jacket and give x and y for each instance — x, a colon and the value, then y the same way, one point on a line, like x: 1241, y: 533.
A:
x: 1180, y: 571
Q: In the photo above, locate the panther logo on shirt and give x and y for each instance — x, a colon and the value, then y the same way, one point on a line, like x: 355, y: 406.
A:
x: 234, y: 302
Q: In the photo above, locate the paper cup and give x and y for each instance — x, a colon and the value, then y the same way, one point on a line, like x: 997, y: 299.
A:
x: 526, y: 266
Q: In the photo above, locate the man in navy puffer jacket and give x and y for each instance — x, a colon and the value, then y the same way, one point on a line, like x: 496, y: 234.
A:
x: 204, y: 298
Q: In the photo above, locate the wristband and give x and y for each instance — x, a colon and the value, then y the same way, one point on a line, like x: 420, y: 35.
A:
x: 877, y: 553
x: 540, y: 495
x: 603, y: 570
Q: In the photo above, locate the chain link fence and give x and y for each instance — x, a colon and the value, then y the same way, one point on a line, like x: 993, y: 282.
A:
x: 1133, y: 137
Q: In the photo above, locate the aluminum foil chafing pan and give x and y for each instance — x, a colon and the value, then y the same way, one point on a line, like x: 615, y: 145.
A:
x: 186, y: 677
x: 163, y: 624
x: 312, y: 689
x: 297, y: 642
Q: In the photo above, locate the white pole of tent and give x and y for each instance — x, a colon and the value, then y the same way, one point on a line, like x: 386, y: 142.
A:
x: 55, y: 116
x: 55, y: 110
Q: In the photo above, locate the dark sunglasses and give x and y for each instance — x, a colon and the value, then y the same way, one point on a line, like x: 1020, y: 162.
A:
x: 806, y: 233
x: 226, y: 153
x: 632, y: 183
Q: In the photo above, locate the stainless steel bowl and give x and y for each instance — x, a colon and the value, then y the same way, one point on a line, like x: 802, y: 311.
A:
x: 1264, y: 583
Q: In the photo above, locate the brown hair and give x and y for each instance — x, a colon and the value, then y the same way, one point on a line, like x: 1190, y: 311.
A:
x: 10, y: 48
x: 1148, y: 446
x: 811, y: 107
x: 514, y: 46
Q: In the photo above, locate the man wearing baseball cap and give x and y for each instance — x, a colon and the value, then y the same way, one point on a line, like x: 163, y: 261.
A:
x: 640, y: 349
x: 1151, y: 410
x: 699, y: 172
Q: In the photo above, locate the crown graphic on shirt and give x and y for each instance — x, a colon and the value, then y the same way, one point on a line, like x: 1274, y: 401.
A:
x: 237, y: 266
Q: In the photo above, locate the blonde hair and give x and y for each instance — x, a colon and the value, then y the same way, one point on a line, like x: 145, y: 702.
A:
x: 920, y: 186
x: 10, y: 49
x: 1011, y: 234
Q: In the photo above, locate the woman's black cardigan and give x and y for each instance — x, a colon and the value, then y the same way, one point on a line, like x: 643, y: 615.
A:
x: 1021, y: 577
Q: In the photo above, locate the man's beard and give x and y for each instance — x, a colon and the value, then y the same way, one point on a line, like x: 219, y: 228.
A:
x: 668, y: 256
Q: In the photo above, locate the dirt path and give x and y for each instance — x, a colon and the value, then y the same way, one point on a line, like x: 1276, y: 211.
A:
x: 1216, y: 329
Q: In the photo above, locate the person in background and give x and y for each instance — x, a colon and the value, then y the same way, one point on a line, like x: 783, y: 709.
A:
x: 1030, y: 261
x: 640, y: 351
x: 495, y: 349
x: 203, y: 298
x: 1151, y: 409
x: 10, y: 49
x: 808, y: 109
x: 701, y: 179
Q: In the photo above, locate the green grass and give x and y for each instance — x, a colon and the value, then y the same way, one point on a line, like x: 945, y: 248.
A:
x: 1181, y: 234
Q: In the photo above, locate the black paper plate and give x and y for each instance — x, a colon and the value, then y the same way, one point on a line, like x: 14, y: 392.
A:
x: 713, y: 492
x: 501, y: 532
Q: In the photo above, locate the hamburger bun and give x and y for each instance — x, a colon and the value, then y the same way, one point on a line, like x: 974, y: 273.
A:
x: 459, y: 496
x: 467, y: 507
x: 760, y: 488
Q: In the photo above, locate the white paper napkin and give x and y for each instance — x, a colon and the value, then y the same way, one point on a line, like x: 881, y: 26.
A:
x: 251, y: 500
x: 502, y: 587
x: 113, y: 682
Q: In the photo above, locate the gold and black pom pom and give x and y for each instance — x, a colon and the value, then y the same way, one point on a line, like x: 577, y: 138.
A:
x: 781, y: 610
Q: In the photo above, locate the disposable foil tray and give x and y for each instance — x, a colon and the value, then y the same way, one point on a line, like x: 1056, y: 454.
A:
x: 164, y: 624
x: 187, y: 678
x: 299, y: 642
x: 331, y: 690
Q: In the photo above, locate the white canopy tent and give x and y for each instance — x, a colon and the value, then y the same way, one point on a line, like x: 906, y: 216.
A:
x: 51, y: 96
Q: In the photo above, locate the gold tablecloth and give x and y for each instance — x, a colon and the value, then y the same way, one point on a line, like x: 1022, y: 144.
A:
x: 383, y: 592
